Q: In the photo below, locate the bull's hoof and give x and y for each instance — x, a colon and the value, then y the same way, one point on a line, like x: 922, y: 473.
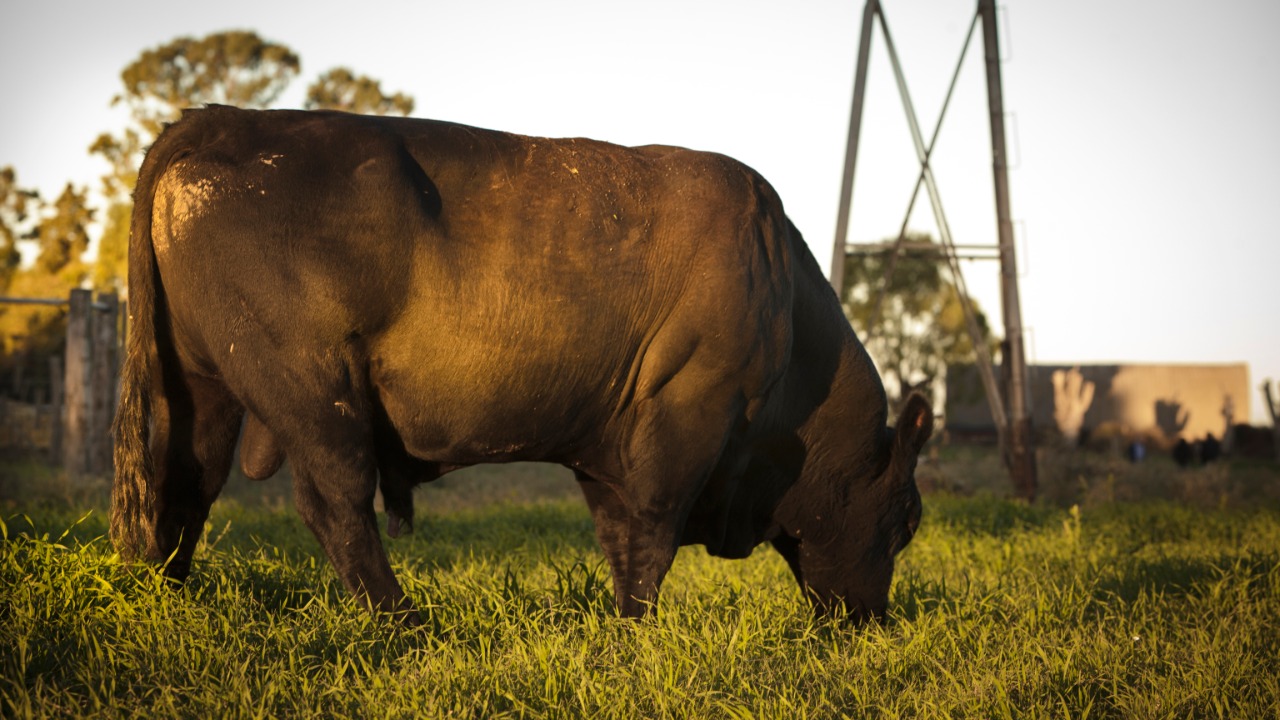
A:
x: 176, y: 571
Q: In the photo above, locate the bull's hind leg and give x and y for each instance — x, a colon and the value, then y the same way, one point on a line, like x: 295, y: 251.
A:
x: 192, y: 447
x: 334, y: 480
x: 398, y: 474
x: 334, y: 494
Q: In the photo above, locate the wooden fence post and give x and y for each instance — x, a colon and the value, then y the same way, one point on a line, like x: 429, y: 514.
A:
x: 89, y: 385
x: 102, y: 382
x: 75, y: 415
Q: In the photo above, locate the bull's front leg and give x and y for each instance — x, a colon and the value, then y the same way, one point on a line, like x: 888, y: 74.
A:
x: 652, y: 543
x: 676, y: 440
x: 639, y: 549
x: 610, y: 518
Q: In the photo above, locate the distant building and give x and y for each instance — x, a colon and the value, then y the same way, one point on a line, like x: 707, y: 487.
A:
x: 1177, y: 400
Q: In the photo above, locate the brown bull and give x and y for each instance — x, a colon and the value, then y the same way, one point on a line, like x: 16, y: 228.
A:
x: 418, y: 296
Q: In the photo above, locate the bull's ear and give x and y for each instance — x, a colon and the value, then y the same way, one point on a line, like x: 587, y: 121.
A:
x: 915, y: 425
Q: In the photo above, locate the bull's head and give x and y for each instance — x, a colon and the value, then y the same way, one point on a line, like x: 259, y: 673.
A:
x: 845, y: 563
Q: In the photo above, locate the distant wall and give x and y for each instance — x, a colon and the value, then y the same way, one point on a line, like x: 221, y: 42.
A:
x: 1177, y: 400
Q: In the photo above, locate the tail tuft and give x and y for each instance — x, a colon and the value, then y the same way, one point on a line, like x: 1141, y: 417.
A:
x: 133, y: 489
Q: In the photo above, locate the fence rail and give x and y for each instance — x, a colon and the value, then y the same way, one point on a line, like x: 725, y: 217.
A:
x: 5, y: 300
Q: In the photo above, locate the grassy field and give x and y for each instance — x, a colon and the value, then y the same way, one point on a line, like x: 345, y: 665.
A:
x: 1126, y: 594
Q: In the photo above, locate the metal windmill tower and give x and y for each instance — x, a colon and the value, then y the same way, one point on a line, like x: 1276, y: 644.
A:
x: 1010, y: 404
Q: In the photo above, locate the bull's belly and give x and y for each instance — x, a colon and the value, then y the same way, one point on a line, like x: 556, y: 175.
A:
x: 525, y: 376
x: 469, y: 410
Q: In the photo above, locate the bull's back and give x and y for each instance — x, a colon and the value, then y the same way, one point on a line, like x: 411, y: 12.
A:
x: 537, y: 319
x: 480, y: 276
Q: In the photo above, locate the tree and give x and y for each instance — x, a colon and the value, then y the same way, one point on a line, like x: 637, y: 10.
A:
x: 234, y: 68
x: 17, y: 210
x: 920, y: 328
x: 109, y: 267
x: 340, y: 89
x: 123, y: 153
x: 63, y: 236
x: 33, y: 332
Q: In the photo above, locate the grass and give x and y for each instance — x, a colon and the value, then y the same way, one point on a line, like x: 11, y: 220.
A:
x: 1104, y: 607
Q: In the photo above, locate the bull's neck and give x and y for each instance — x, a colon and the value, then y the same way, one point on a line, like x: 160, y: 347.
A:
x: 846, y: 435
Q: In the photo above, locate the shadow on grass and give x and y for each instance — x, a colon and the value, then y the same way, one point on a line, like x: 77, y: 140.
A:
x: 1072, y: 590
x: 272, y: 558
x: 1181, y: 577
x: 985, y: 514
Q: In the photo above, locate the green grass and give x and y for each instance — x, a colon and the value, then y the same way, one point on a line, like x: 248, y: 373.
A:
x: 1124, y: 609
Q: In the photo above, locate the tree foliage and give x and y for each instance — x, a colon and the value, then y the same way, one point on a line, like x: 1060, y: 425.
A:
x: 64, y: 235
x: 17, y: 210
x: 921, y: 327
x: 113, y: 248
x: 233, y: 68
x: 340, y: 89
x: 236, y: 67
x: 35, y: 331
x: 123, y: 154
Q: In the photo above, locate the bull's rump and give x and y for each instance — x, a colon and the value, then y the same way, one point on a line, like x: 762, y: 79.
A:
x: 503, y: 296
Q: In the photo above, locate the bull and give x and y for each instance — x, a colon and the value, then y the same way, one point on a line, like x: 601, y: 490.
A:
x: 401, y: 298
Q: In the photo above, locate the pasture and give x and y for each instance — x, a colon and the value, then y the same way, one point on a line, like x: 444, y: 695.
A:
x: 1125, y: 594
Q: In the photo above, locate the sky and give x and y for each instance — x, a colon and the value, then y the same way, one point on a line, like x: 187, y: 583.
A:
x: 1145, y: 162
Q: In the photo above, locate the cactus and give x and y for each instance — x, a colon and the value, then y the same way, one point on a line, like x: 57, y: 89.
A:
x: 1273, y: 409
x: 1229, y: 421
x: 1072, y: 396
x: 1171, y: 418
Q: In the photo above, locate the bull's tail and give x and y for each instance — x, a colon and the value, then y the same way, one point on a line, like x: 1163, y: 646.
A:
x: 134, y: 491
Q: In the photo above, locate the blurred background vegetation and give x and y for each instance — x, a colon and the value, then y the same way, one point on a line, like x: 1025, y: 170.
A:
x: 908, y: 313
x: 235, y: 67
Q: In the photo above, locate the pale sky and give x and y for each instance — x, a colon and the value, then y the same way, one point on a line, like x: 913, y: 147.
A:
x: 1146, y: 158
